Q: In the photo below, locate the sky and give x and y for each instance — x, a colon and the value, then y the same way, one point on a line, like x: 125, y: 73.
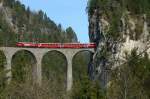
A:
x: 66, y: 12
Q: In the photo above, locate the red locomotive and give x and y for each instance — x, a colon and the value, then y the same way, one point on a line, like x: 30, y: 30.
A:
x: 55, y: 45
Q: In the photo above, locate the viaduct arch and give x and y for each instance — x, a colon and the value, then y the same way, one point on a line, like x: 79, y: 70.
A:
x: 28, y: 69
x: 79, y: 69
x: 54, y: 70
x: 38, y: 53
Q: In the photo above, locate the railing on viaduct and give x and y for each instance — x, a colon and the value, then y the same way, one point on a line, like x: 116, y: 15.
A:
x: 38, y: 54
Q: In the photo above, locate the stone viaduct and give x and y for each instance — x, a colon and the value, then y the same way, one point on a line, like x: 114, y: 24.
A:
x: 38, y: 54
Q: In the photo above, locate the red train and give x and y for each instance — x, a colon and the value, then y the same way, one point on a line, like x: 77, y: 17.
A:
x: 55, y: 45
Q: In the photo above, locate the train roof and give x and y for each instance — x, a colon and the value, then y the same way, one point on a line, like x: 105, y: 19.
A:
x: 55, y: 43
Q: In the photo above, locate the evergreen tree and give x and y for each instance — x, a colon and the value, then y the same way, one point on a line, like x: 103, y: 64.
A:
x: 130, y: 80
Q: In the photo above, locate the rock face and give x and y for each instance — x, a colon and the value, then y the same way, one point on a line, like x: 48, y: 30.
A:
x: 6, y: 14
x: 116, y: 36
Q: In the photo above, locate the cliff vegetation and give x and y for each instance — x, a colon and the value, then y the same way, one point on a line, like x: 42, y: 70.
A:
x: 121, y: 30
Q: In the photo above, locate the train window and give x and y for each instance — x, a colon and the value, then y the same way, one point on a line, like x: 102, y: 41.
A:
x: 76, y: 45
x: 80, y: 45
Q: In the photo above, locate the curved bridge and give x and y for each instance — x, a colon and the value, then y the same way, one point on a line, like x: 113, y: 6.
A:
x: 38, y: 53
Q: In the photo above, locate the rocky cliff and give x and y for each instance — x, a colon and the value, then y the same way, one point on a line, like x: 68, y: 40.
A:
x: 117, y: 27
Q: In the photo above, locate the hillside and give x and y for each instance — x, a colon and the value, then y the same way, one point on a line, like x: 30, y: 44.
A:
x: 18, y: 23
